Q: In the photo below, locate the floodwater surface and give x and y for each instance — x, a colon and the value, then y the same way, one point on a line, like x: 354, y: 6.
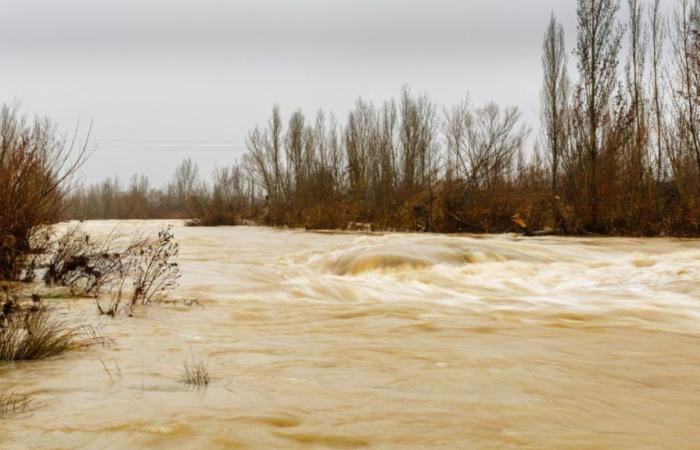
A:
x: 344, y: 341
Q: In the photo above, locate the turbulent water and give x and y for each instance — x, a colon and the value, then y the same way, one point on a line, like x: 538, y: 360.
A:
x: 329, y: 340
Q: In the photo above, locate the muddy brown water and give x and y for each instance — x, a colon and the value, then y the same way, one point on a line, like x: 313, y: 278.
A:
x: 335, y: 341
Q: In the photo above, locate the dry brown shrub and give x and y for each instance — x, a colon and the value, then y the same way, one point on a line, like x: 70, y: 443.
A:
x: 148, y: 270
x: 29, y: 333
x: 36, y: 173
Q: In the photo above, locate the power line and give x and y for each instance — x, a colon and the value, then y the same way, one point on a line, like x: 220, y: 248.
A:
x: 202, y: 146
x: 171, y: 150
x: 160, y: 141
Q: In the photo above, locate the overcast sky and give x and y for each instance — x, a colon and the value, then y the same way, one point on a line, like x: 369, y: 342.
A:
x: 166, y: 79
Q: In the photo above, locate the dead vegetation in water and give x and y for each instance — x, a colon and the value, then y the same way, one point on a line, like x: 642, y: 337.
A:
x: 139, y: 273
x: 121, y: 277
x: 196, y: 373
x: 149, y: 269
x: 85, y: 265
x: 155, y: 274
x: 113, y: 373
x: 27, y: 332
x: 13, y: 403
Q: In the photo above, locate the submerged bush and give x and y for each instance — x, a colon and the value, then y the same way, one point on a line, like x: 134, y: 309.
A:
x: 82, y: 264
x: 88, y: 266
x: 149, y: 267
x: 154, y: 272
x: 139, y: 273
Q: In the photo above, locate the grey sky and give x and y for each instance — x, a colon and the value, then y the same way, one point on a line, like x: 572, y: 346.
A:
x: 167, y: 79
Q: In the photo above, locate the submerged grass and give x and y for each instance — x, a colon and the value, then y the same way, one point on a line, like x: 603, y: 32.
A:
x: 13, y: 403
x: 31, y: 334
x: 112, y: 374
x: 196, y: 373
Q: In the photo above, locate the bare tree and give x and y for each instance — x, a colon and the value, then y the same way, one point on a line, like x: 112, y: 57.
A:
x: 555, y: 97
x: 417, y: 137
x: 265, y: 156
x: 597, y: 49
x: 658, y: 35
x: 136, y: 204
x: 37, y: 172
x: 686, y: 110
x: 484, y: 141
x: 185, y: 182
x: 638, y: 41
x: 388, y: 171
x: 638, y: 144
x: 358, y: 135
x: 294, y: 151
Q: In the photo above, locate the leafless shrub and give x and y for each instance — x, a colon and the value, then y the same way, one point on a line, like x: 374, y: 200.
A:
x: 138, y: 273
x: 36, y: 173
x: 80, y: 264
x: 87, y: 265
x: 155, y: 273
x: 149, y: 267
x: 117, y: 296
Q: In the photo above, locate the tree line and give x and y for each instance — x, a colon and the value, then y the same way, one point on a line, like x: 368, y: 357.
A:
x: 618, y: 149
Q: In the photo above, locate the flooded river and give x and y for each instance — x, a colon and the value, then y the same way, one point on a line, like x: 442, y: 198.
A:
x: 335, y: 341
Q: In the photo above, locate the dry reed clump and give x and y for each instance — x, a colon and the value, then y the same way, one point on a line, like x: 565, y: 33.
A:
x: 28, y: 332
x: 13, y: 403
x: 33, y: 335
x: 196, y: 373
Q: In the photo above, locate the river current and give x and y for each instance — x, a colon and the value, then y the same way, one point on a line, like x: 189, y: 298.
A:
x: 340, y: 340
